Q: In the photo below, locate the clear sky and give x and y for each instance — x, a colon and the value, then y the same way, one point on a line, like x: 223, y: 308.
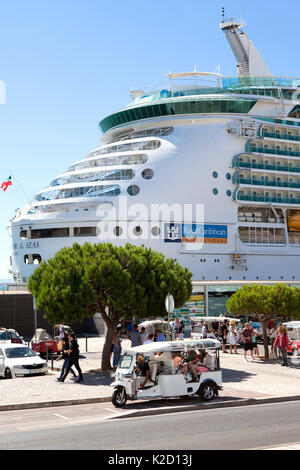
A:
x: 67, y: 64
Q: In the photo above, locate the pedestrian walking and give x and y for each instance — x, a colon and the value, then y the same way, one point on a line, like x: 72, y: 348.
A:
x: 117, y: 348
x: 282, y: 342
x: 73, y: 359
x: 65, y: 356
x: 232, y: 337
x: 224, y: 333
x: 248, y: 343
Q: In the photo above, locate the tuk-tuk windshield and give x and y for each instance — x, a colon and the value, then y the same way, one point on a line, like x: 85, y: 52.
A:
x: 125, y: 361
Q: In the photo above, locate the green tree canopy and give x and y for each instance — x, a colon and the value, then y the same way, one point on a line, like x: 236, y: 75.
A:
x: 117, y: 282
x: 265, y: 303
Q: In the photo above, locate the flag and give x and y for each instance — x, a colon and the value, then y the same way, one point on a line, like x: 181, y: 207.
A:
x: 6, y: 183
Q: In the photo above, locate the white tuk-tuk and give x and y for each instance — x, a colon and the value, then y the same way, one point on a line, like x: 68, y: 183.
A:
x: 165, y: 379
x: 197, y: 331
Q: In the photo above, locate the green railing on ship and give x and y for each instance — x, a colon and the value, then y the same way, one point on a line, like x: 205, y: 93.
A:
x: 276, y: 135
x: 279, y: 184
x: 286, y: 153
x: 245, y: 197
x: 261, y: 166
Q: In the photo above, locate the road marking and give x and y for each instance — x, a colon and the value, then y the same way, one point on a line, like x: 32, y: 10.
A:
x: 60, y: 416
x: 111, y: 409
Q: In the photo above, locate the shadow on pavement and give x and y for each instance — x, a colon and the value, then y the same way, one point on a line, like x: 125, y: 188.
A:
x: 231, y: 375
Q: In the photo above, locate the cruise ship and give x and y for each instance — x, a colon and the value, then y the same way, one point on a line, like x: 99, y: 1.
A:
x: 205, y: 170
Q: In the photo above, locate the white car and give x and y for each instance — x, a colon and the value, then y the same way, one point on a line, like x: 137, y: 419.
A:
x: 18, y: 359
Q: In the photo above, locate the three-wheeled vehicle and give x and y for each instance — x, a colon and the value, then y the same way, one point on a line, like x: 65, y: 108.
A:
x: 166, y: 380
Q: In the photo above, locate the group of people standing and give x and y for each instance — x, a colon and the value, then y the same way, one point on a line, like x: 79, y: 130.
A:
x: 136, y: 337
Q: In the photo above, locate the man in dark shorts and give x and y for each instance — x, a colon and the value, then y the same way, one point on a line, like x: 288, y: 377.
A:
x: 248, y: 343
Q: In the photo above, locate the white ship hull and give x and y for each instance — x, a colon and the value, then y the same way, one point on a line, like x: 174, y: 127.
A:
x: 193, y: 178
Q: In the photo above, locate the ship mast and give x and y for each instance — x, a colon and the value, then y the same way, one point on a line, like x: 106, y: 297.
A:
x: 249, y: 61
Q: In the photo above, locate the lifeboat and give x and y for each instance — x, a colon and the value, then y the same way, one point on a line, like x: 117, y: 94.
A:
x: 293, y: 222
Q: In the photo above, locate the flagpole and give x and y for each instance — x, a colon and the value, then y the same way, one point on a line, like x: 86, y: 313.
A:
x: 26, y: 195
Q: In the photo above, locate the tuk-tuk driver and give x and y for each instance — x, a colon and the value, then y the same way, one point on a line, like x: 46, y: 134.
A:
x: 144, y: 368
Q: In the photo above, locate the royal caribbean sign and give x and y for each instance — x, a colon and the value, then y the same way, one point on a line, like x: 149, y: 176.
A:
x: 195, y: 233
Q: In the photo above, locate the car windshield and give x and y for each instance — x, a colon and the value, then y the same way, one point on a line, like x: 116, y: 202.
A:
x: 19, y: 352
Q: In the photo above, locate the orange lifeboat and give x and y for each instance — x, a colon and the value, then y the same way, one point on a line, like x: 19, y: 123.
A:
x: 293, y: 222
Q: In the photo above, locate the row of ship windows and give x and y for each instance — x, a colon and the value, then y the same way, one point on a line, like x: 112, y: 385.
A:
x: 137, y: 159
x: 157, y: 132
x: 191, y: 106
x: 130, y: 147
x: 79, y: 232
x: 107, y: 175
x: 86, y: 191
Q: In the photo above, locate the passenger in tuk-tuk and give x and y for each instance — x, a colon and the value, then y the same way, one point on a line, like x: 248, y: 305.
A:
x: 200, y: 363
x: 143, y: 367
x: 187, y: 358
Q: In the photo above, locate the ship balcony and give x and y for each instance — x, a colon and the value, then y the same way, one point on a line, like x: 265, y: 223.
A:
x: 262, y: 165
x: 278, y: 135
x: 273, y: 151
x: 237, y: 179
x: 261, y: 196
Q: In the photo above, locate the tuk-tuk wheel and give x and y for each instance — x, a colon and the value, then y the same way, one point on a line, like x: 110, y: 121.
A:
x: 119, y: 397
x: 207, y: 391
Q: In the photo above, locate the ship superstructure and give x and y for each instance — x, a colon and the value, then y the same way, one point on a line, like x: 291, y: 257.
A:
x: 228, y: 146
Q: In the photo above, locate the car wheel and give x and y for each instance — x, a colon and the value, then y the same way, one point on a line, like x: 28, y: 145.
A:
x: 8, y: 374
x: 119, y: 397
x: 207, y: 391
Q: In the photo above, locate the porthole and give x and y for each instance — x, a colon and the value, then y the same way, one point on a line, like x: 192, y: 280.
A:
x: 133, y: 190
x: 215, y: 174
x: 155, y: 231
x: 228, y: 193
x: 215, y: 191
x: 137, y: 230
x: 228, y: 176
x: 118, y: 231
x: 147, y: 174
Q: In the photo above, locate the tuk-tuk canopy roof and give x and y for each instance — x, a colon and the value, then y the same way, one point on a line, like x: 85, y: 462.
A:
x: 41, y: 335
x: 148, y: 323
x: 216, y: 319
x: 292, y: 324
x: 173, y: 346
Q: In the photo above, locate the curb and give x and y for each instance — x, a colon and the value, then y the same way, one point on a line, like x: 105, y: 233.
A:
x: 28, y: 406
x: 152, y: 411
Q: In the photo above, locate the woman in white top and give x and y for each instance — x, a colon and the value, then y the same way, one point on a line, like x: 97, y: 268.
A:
x: 232, y: 337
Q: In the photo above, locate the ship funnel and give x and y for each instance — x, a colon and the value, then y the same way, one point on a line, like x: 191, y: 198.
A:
x: 249, y: 60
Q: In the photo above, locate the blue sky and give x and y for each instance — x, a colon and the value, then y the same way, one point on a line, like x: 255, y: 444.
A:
x: 67, y: 64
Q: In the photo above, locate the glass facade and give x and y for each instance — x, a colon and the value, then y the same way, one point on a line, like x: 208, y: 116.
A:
x: 85, y: 191
x: 111, y: 161
x: 174, y: 107
x: 108, y: 175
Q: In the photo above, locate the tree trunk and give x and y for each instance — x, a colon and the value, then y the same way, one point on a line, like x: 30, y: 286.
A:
x: 106, y: 353
x: 266, y: 345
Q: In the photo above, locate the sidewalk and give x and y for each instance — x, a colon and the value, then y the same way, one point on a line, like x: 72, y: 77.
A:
x: 241, y: 381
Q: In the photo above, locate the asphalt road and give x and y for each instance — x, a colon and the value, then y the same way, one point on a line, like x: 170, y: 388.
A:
x: 87, y: 427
